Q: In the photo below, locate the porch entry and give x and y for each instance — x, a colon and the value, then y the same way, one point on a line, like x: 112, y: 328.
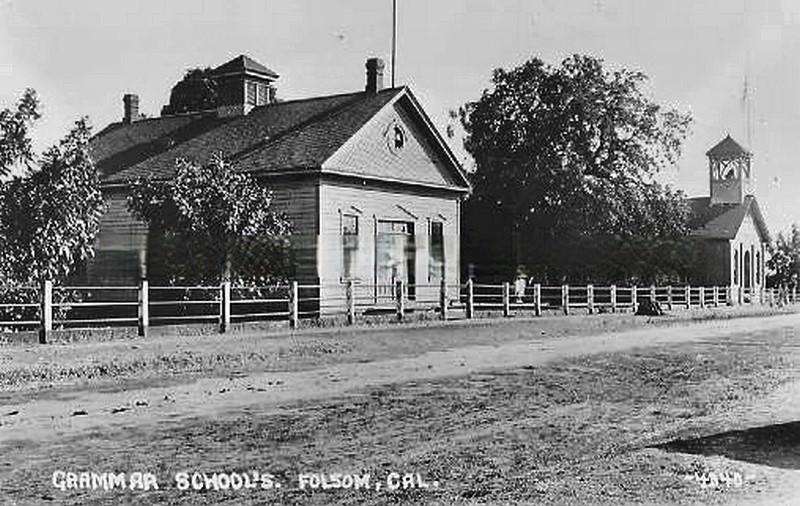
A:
x: 395, y: 257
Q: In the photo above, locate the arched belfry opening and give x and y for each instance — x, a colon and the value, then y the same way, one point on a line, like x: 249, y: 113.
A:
x: 730, y: 172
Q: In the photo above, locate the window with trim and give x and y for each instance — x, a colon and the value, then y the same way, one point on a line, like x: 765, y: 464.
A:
x: 252, y: 93
x: 436, y: 263
x: 349, y: 245
x: 758, y: 267
x: 263, y: 94
x: 736, y: 267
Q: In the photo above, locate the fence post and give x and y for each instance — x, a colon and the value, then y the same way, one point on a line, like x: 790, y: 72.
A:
x: 716, y: 296
x: 470, y: 299
x: 144, y: 307
x: 794, y: 293
x: 702, y: 294
x: 350, y: 297
x: 565, y: 298
x: 741, y: 295
x: 506, y: 299
x: 443, y: 299
x: 400, y: 300
x: 634, y: 301
x: 537, y: 299
x: 224, y: 306
x: 653, y: 298
x: 613, y: 298
x: 590, y: 298
x: 669, y: 297
x: 294, y: 305
x: 688, y: 295
x: 46, y: 317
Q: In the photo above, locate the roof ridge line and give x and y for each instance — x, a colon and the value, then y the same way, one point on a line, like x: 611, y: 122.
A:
x: 307, y: 99
x: 313, y: 119
x: 323, y: 97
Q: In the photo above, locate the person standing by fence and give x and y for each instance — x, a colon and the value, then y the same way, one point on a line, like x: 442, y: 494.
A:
x: 520, y: 283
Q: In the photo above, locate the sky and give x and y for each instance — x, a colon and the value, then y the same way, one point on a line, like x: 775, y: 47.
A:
x: 82, y: 55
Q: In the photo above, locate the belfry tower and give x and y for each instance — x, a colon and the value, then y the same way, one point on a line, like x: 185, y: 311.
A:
x: 730, y: 172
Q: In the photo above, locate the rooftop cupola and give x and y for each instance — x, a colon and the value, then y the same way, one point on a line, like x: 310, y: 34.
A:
x: 730, y: 172
x: 242, y: 84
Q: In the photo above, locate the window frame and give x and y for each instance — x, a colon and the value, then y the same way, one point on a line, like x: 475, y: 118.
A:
x: 442, y: 274
x: 349, y: 251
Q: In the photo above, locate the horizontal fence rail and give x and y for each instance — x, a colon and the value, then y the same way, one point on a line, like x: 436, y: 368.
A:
x: 46, y: 307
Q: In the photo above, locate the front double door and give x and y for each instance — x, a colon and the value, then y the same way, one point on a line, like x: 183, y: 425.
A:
x: 395, y: 258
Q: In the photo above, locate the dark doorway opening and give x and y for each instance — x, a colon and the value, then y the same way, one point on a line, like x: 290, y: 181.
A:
x: 748, y: 269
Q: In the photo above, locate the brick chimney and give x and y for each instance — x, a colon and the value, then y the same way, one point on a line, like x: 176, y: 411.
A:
x: 131, y: 108
x: 374, y: 75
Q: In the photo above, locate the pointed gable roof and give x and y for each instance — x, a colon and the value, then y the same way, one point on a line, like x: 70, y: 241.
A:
x: 311, y: 145
x: 242, y: 64
x: 231, y: 137
x: 280, y: 137
x: 722, y: 221
x: 727, y: 148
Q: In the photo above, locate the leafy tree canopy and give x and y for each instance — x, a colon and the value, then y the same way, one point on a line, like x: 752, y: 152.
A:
x: 197, y: 91
x: 572, y: 152
x: 50, y: 212
x: 15, y: 143
x: 215, y: 211
x: 784, y: 261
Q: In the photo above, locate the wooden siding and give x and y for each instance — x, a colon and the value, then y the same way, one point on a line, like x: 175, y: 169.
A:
x: 748, y: 239
x: 121, y: 244
x: 714, y: 262
x: 718, y: 257
x: 369, y: 154
x: 299, y: 200
x: 372, y: 204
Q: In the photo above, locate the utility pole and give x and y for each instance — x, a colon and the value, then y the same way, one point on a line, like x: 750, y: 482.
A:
x: 394, y: 40
x: 748, y: 113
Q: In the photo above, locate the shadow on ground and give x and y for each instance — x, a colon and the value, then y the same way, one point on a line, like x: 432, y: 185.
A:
x: 771, y: 445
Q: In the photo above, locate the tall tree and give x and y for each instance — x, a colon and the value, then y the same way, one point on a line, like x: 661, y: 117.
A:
x: 784, y: 261
x: 15, y: 141
x: 50, y: 208
x: 568, y: 156
x: 212, y: 212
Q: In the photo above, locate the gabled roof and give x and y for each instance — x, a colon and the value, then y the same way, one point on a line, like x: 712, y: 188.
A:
x: 722, y: 221
x: 727, y: 148
x: 122, y: 145
x: 308, y: 144
x: 281, y: 137
x: 241, y: 64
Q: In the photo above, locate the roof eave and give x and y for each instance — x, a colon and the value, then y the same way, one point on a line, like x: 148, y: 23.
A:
x: 440, y: 140
x: 321, y: 171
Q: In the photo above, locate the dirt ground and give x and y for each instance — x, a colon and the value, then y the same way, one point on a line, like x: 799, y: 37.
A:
x: 551, y: 411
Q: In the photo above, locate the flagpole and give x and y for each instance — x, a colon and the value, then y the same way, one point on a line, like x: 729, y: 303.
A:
x: 394, y: 39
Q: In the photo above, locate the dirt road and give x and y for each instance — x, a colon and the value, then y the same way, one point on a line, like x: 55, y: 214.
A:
x: 551, y: 411
x: 74, y: 412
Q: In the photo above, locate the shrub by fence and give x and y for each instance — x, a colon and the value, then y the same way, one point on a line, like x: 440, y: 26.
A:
x: 68, y: 307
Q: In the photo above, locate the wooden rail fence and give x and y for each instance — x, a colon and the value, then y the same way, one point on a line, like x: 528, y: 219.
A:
x: 145, y: 305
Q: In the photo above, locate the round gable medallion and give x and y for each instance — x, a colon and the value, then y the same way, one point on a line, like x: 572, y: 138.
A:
x: 395, y: 137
